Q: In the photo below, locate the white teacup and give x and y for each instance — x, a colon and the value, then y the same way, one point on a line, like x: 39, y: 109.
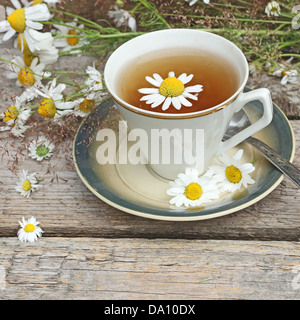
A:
x: 208, y: 125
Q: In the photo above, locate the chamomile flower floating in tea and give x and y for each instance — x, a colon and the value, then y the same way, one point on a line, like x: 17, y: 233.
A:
x: 169, y: 91
x: 29, y: 230
x: 23, y: 21
x: 191, y: 190
x: 27, y: 183
x: 230, y: 174
x: 41, y: 149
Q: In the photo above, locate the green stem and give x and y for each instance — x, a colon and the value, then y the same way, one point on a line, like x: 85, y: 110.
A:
x: 295, y: 55
x: 287, y: 44
x: 97, y: 26
x: 67, y: 72
x: 151, y: 8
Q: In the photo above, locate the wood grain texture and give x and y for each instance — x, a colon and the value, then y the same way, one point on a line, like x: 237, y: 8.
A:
x: 85, y: 268
x: 66, y: 208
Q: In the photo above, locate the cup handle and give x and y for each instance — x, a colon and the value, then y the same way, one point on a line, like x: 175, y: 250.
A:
x: 264, y: 96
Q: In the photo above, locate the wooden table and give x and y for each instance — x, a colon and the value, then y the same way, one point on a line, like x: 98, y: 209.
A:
x: 92, y: 251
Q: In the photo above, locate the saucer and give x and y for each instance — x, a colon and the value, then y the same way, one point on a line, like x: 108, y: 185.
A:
x: 138, y: 190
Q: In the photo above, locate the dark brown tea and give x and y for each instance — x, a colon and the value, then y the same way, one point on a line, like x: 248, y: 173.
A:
x: 217, y: 76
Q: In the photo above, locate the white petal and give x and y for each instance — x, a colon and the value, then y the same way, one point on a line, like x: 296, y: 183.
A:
x: 16, y: 4
x: 158, y: 78
x: 34, y: 25
x: 196, y: 88
x: 185, y: 102
x: 184, y: 78
x: 150, y: 98
x: 167, y: 103
x: 9, y: 34
x: 9, y: 11
x: 189, y: 95
x: 171, y: 74
x: 4, y: 26
x: 153, y: 81
x: 158, y: 101
x: 176, y: 103
x: 238, y: 155
x: 148, y: 90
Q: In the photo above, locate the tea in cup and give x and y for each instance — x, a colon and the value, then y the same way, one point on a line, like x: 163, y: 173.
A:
x: 177, y: 90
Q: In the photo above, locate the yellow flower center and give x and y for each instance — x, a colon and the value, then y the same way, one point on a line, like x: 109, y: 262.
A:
x: 29, y: 227
x: 26, y: 77
x: 26, y: 185
x: 87, y: 105
x: 17, y: 20
x: 11, y: 114
x: 72, y: 41
x: 171, y: 87
x: 233, y: 174
x: 37, y: 2
x: 28, y: 58
x: 21, y: 39
x: 47, y: 108
x: 193, y: 191
x: 283, y: 73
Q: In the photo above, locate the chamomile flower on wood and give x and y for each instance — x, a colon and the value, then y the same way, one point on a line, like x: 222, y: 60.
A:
x: 27, y: 76
x: 15, y: 117
x: 27, y: 183
x: 286, y: 76
x: 24, y: 20
x: 191, y: 190
x: 41, y: 149
x: 273, y: 9
x: 74, y: 40
x: 53, y: 105
x: 44, y: 49
x: 29, y: 230
x: 230, y: 174
x: 169, y: 91
x: 122, y: 17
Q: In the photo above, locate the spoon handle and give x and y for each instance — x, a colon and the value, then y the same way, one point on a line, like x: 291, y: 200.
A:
x: 277, y: 160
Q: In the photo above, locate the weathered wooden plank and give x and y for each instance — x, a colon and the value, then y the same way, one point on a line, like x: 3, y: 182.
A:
x: 85, y: 268
x: 65, y: 207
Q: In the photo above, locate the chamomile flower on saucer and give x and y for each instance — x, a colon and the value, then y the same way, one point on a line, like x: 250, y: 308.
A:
x: 29, y: 230
x: 169, y: 91
x: 24, y: 20
x: 27, y: 76
x: 53, y: 105
x: 41, y: 149
x: 27, y: 183
x: 191, y: 190
x: 230, y: 174
x: 273, y: 9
